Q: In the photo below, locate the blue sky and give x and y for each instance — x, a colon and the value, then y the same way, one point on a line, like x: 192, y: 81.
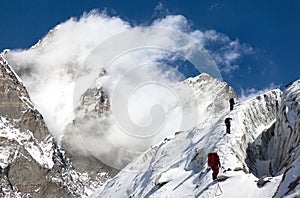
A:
x: 270, y: 28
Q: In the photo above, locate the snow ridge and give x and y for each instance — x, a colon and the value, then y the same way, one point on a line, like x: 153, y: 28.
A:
x: 177, y: 166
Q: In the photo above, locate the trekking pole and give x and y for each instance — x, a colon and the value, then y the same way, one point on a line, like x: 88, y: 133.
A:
x: 216, y: 190
x: 218, y: 187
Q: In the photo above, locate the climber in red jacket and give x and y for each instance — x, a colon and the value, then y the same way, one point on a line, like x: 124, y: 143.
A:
x: 214, y: 163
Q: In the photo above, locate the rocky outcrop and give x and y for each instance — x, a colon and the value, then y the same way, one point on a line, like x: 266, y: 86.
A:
x: 25, y: 141
x: 93, y: 105
x: 202, y: 86
x: 15, y: 103
x: 31, y: 162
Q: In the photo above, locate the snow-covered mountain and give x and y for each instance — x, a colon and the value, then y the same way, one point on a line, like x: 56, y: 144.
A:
x: 94, y: 113
x: 32, y: 164
x: 264, y: 139
x: 260, y: 158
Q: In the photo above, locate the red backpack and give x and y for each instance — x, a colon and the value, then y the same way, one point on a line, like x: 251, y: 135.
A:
x: 213, y: 159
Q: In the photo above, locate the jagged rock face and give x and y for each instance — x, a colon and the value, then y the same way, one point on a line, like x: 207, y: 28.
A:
x: 33, y: 168
x: 203, y: 88
x: 23, y: 135
x: 15, y: 104
x: 94, y: 100
x: 93, y: 105
x: 29, y: 177
x: 31, y: 163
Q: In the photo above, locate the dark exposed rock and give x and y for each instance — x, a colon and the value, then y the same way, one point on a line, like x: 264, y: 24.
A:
x: 222, y: 178
x: 237, y: 169
x: 93, y: 104
x: 29, y: 177
x: 23, y: 173
x: 91, y: 165
x: 34, y: 165
x: 263, y: 180
x: 15, y: 104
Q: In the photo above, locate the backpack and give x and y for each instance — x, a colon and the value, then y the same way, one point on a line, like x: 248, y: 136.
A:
x: 213, y: 159
x: 231, y: 101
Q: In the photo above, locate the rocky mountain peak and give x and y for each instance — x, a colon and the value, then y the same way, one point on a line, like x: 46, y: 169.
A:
x: 15, y: 103
x: 32, y: 164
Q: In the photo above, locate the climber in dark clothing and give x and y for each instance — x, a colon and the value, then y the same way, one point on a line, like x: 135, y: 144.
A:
x: 232, y: 103
x: 227, y: 123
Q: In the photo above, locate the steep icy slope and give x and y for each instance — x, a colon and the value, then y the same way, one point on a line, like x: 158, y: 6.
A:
x: 31, y: 163
x: 177, y: 166
x: 286, y: 150
x: 276, y: 150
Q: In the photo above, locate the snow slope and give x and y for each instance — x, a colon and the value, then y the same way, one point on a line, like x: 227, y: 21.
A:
x: 177, y: 166
x: 286, y: 150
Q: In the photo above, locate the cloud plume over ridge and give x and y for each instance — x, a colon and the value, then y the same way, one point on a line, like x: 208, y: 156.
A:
x: 49, y: 69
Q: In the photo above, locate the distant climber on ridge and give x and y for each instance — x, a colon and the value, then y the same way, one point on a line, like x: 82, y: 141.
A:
x: 227, y: 123
x: 214, y: 162
x: 232, y: 103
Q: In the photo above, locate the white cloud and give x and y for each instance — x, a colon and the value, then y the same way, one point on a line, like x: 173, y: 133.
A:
x: 50, y: 69
x: 177, y: 22
x: 225, y: 52
x: 54, y: 61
